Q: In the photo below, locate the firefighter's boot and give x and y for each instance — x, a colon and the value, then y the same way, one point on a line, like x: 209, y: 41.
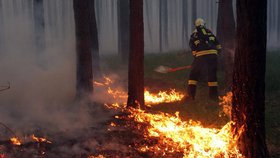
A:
x: 213, y: 93
x: 192, y: 91
x: 190, y: 95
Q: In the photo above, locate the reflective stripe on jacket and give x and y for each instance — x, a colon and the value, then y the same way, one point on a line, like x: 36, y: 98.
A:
x: 203, y: 42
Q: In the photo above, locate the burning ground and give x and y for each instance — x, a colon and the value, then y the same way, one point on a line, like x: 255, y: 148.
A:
x: 125, y: 132
x: 122, y: 132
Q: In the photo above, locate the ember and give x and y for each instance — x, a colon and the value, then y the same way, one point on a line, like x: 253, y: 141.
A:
x: 15, y: 141
x: 99, y: 156
x: 38, y: 139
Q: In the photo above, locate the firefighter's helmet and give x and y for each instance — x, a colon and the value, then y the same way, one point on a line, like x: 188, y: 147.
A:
x: 199, y: 22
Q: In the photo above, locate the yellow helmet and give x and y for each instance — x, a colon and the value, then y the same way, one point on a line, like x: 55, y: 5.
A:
x: 199, y: 22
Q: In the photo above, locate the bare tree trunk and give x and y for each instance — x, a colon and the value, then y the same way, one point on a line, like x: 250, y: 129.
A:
x: 163, y: 22
x: 39, y: 28
x: 82, y: 17
x: 185, y: 23
x: 94, y: 41
x: 123, y: 29
x: 136, y: 56
x: 149, y: 20
x: 160, y: 25
x: 226, y: 34
x: 249, y: 77
x: 1, y: 26
x: 98, y: 12
x: 278, y: 22
x: 194, y: 15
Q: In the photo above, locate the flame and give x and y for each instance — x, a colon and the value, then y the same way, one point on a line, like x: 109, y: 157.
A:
x: 190, y: 138
x: 226, y: 104
x: 175, y: 135
x: 38, y: 139
x: 117, y: 93
x: 107, y: 81
x: 150, y: 98
x: 162, y: 97
x: 99, y: 156
x: 113, y: 124
x: 15, y: 141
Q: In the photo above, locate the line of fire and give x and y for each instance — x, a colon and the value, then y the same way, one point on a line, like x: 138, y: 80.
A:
x: 206, y: 100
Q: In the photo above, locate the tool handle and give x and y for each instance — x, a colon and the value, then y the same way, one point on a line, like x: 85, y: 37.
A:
x: 179, y: 68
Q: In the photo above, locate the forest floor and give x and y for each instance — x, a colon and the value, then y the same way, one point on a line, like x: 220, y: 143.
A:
x: 203, y: 109
x: 122, y: 136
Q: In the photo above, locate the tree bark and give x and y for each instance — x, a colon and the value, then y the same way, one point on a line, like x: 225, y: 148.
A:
x: 163, y: 24
x: 84, y: 85
x: 194, y: 15
x: 1, y: 26
x: 94, y: 41
x: 160, y: 25
x: 98, y: 13
x: 123, y: 30
x: 249, y: 77
x: 185, y: 23
x: 148, y: 21
x: 278, y: 22
x: 226, y: 34
x: 39, y: 28
x: 136, y: 56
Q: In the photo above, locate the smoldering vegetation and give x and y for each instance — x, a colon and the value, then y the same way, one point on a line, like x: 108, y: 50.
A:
x: 41, y: 98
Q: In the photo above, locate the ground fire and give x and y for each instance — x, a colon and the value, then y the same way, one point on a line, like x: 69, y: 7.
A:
x: 159, y: 134
x: 15, y: 141
x: 175, y: 135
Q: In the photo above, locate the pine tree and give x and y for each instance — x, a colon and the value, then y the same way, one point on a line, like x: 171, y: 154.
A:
x: 226, y: 34
x: 248, y: 109
x: 84, y: 85
x: 136, y: 56
x: 123, y: 29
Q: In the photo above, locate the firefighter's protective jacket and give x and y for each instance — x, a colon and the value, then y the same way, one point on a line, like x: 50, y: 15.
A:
x: 204, y: 42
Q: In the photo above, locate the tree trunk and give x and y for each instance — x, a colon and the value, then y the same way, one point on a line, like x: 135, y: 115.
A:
x: 194, y: 15
x: 163, y: 24
x: 123, y: 29
x: 225, y: 34
x: 278, y: 22
x: 185, y: 23
x: 84, y: 85
x: 136, y: 56
x: 249, y: 77
x: 94, y: 41
x: 1, y: 26
x: 98, y: 13
x: 148, y: 21
x: 39, y: 28
x: 160, y: 25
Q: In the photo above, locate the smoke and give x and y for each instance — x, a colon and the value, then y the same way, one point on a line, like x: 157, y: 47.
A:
x: 115, y: 91
x: 42, y: 89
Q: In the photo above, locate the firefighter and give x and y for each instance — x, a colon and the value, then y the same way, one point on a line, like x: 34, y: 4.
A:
x: 205, y: 49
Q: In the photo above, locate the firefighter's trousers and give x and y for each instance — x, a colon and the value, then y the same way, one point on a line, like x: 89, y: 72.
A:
x: 200, y: 64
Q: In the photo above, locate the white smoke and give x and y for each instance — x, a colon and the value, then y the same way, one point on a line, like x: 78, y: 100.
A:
x: 42, y: 89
